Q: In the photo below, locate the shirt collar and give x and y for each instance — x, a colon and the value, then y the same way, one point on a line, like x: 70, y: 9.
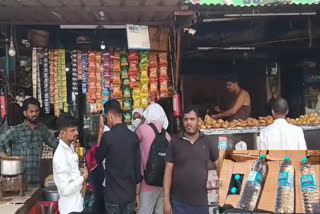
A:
x: 65, y: 146
x: 183, y: 136
x: 118, y: 125
x: 26, y: 125
x: 280, y: 120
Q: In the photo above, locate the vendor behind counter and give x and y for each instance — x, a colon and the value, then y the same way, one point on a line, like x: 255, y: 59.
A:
x: 241, y: 102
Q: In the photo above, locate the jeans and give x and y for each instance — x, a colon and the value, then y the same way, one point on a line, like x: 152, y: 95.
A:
x: 151, y: 203
x: 120, y: 209
x: 180, y: 208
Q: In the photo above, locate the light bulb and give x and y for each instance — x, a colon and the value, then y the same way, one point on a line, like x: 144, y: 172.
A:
x: 12, y: 50
x: 102, y: 46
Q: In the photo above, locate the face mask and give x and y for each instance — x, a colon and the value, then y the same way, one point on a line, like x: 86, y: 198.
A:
x: 136, y: 122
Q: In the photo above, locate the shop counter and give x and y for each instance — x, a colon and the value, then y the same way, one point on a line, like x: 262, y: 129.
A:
x: 250, y: 136
x: 20, y: 204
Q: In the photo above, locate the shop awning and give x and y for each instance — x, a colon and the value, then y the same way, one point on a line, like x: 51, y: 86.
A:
x: 246, y: 3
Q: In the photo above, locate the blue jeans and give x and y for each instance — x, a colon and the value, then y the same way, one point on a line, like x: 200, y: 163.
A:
x: 181, y: 208
x: 120, y: 209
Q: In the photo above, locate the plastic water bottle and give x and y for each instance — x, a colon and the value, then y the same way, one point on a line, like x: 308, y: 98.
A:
x: 252, y: 188
x: 223, y: 143
x: 309, y: 188
x: 285, y: 190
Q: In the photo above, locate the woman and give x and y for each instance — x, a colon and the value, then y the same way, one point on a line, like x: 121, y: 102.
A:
x: 137, y: 118
x: 151, y: 197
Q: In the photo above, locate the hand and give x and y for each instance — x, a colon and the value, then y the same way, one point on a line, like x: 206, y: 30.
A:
x: 84, y: 189
x: 137, y: 203
x: 167, y: 209
x: 214, y: 116
x: 84, y: 172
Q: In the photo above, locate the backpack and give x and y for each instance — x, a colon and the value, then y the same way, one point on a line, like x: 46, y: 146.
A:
x: 154, y: 171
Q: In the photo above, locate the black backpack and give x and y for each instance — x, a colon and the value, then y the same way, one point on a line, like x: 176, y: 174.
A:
x: 154, y: 172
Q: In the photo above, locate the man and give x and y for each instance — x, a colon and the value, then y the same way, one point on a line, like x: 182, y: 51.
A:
x: 241, y: 104
x: 121, y: 148
x: 186, y: 171
x: 151, y: 197
x: 281, y: 135
x: 26, y: 140
x: 69, y: 180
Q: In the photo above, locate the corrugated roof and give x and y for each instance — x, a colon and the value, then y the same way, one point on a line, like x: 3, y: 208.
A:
x: 250, y: 3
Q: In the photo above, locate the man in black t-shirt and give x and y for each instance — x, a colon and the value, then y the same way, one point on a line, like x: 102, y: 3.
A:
x: 186, y: 171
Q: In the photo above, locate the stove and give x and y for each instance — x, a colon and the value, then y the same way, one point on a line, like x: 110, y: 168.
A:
x: 13, y: 185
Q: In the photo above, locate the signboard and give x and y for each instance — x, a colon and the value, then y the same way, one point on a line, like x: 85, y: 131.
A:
x: 242, y: 3
x: 138, y: 37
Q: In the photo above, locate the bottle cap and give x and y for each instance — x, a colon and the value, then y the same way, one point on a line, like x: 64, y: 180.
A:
x: 233, y: 190
x: 262, y: 157
x: 286, y: 159
x: 304, y: 160
x: 237, y: 177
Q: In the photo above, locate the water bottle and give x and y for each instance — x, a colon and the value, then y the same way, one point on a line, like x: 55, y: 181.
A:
x: 309, y: 188
x: 252, y: 188
x: 223, y: 143
x: 285, y: 190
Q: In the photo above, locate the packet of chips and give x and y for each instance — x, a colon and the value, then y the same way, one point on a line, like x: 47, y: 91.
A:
x: 116, y: 78
x: 163, y: 58
x: 126, y: 82
x: 117, y: 92
x: 137, y: 103
x: 144, y: 100
x: 144, y: 59
x: 124, y: 73
x: 116, y: 66
x: 153, y: 73
x: 123, y: 60
x: 133, y: 56
x: 127, y: 117
x: 126, y: 92
x: 127, y: 104
x: 144, y: 88
x: 153, y: 87
x: 163, y: 71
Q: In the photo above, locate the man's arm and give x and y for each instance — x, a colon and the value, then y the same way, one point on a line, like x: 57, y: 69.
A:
x: 235, y: 108
x: 102, y: 148
x: 67, y: 184
x: 167, y: 183
x: 5, y: 139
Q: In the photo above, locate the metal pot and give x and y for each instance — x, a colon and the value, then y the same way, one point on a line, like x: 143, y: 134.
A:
x: 50, y: 193
x: 11, y: 165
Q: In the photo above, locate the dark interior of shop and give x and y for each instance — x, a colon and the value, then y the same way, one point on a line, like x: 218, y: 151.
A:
x: 246, y: 46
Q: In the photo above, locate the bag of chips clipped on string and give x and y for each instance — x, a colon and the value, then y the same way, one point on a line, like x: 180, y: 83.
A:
x: 126, y: 82
x: 144, y: 57
x: 153, y: 60
x: 163, y: 58
x: 127, y: 117
x: 144, y: 88
x: 116, y: 55
x: 153, y: 73
x: 123, y: 59
x: 116, y: 66
x: 144, y: 100
x: 124, y: 73
x: 117, y: 92
x: 116, y: 78
x: 153, y: 87
x: 163, y: 71
x: 126, y: 93
x: 127, y: 104
x: 137, y: 103
x: 133, y: 56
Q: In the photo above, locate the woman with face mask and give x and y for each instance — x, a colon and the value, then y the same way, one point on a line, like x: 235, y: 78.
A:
x: 137, y: 118
x: 151, y: 197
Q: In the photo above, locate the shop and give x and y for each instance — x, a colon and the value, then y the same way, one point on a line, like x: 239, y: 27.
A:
x: 74, y: 59
x: 272, y: 48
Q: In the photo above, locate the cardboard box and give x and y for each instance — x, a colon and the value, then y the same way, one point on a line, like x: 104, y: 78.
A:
x: 240, y: 162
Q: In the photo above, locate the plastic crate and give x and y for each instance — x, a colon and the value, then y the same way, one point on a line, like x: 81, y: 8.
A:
x: 38, y: 207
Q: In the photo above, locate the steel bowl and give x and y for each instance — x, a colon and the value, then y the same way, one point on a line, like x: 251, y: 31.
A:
x: 50, y: 193
x: 12, y: 165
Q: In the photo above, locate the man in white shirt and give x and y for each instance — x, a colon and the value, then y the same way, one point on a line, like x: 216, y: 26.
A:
x: 281, y: 135
x: 69, y: 179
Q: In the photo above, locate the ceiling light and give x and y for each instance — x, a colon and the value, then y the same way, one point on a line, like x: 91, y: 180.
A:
x: 102, y: 46
x: 190, y: 31
x: 12, y: 50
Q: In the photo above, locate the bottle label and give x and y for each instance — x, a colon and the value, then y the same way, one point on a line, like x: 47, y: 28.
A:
x: 255, y: 177
x: 223, y: 145
x: 308, y: 183
x: 286, y: 180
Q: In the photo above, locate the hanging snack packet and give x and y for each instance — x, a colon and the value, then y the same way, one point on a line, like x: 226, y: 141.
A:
x: 124, y: 73
x: 153, y: 86
x: 163, y: 71
x: 117, y: 92
x: 144, y: 88
x: 126, y: 92
x: 137, y: 103
x: 116, y: 66
x: 126, y: 82
x: 127, y: 117
x: 133, y: 56
x: 116, y: 55
x: 153, y: 73
x: 144, y: 101
x: 116, y: 78
x: 127, y: 103
x: 144, y: 59
x: 163, y: 58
